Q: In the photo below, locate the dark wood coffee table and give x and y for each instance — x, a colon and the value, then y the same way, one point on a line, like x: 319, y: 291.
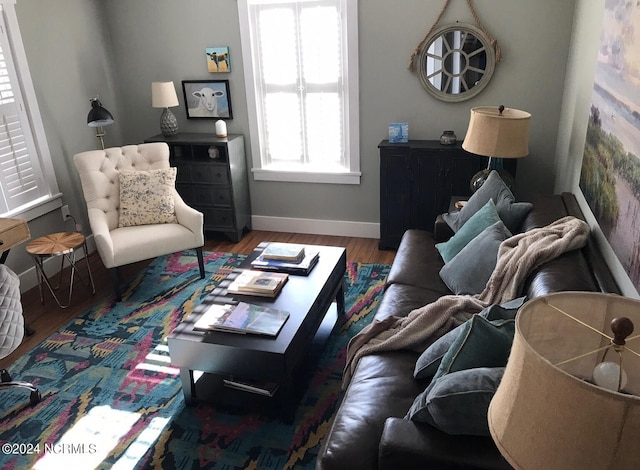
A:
x: 221, y: 355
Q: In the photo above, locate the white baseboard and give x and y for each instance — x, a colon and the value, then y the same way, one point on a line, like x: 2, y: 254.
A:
x: 339, y: 228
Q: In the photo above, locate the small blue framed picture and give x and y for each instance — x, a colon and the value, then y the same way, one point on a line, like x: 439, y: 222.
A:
x: 398, y: 132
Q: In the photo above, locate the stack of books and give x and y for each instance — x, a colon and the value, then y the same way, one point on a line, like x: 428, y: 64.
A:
x: 285, y: 258
x: 289, y: 252
x: 258, y: 283
x: 242, y: 318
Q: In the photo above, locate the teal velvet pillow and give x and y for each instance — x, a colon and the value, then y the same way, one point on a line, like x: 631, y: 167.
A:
x: 481, y: 343
x: 479, y: 221
x: 458, y: 403
x: 429, y: 361
x: 510, y: 212
x: 469, y: 270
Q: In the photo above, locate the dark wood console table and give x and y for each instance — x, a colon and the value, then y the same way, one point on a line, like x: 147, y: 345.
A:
x: 417, y: 181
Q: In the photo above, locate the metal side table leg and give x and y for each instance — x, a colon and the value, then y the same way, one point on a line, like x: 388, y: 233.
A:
x: 43, y: 279
x: 62, y: 244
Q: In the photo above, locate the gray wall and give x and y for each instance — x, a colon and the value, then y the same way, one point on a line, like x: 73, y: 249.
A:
x: 69, y: 63
x: 116, y: 48
x: 169, y: 45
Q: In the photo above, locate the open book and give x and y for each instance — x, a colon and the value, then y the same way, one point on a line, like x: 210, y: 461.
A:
x: 242, y: 318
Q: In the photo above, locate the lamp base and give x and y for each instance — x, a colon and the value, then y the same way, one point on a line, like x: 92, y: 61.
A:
x: 494, y: 164
x: 480, y: 177
x: 168, y: 123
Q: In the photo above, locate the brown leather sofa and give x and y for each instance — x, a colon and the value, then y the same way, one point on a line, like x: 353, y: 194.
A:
x: 369, y: 430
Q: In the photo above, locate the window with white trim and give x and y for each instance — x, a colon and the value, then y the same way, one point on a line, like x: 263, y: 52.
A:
x: 301, y: 74
x: 24, y: 153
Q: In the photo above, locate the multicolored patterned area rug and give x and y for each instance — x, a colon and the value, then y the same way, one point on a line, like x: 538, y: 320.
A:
x: 111, y: 398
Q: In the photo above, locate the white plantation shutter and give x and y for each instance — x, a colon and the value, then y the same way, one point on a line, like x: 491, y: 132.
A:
x: 305, y: 106
x: 22, y: 182
x: 20, y: 173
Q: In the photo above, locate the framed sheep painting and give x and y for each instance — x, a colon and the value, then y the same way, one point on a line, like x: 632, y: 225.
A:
x: 207, y: 99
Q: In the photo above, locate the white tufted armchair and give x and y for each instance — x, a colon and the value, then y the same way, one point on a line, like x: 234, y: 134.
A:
x: 118, y: 246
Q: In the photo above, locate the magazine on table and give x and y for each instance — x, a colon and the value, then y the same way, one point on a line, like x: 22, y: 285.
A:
x: 254, y: 386
x: 242, y: 318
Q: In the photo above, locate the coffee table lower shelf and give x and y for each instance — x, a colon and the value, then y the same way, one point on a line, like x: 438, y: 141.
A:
x: 209, y: 386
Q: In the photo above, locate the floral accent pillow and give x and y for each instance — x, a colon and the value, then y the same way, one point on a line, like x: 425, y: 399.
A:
x: 146, y: 197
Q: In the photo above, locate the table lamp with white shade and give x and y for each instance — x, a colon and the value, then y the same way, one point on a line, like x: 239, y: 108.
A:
x: 163, y: 95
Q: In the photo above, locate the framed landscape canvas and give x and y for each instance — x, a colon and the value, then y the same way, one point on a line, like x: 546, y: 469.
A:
x: 207, y: 99
x: 610, y: 176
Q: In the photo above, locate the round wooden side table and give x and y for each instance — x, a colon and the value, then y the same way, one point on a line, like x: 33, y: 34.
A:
x: 65, y: 245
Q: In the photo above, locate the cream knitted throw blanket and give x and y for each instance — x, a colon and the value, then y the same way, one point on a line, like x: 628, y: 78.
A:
x: 517, y: 257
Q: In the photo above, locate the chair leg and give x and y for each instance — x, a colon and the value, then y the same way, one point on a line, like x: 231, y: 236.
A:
x: 115, y: 281
x: 200, y: 261
x: 7, y: 382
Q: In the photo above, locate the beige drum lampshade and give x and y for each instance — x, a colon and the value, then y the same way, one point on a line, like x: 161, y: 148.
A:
x: 498, y: 134
x: 163, y: 95
x: 546, y: 414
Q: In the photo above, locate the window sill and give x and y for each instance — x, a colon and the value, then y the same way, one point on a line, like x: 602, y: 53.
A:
x: 306, y: 177
x: 36, y: 209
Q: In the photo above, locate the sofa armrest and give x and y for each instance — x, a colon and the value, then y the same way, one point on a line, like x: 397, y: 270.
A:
x: 441, y: 230
x: 417, y: 262
x: 409, y: 445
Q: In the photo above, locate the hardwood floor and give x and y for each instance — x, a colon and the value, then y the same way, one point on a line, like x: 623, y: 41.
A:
x: 47, y: 318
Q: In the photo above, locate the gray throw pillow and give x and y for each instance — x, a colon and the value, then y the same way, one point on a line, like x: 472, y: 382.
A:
x: 494, y: 188
x: 429, y: 361
x: 505, y: 311
x: 458, y: 403
x: 485, y: 217
x: 469, y: 270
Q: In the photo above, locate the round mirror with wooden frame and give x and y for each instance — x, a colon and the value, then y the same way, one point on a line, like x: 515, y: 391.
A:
x: 456, y: 62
